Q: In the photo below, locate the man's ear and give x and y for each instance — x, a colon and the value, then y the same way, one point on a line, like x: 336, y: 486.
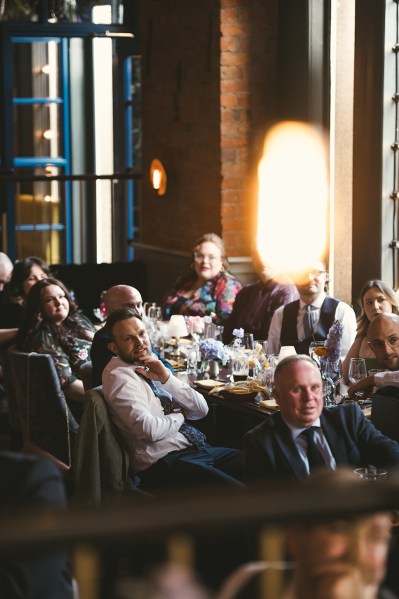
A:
x: 275, y: 394
x: 113, y: 347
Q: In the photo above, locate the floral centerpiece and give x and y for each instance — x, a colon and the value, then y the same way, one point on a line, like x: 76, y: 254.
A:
x: 212, y: 349
x: 238, y: 334
x: 332, y: 350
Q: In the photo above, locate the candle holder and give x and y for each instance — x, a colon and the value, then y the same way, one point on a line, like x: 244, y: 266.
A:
x: 177, y: 329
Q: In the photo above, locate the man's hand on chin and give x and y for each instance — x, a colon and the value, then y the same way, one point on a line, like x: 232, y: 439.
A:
x: 156, y: 370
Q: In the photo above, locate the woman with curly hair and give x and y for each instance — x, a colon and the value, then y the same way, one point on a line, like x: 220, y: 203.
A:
x: 25, y: 274
x: 208, y: 288
x: 52, y: 325
x: 375, y: 297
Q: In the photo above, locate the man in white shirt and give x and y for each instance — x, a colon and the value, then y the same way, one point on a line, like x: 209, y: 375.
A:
x: 149, y: 405
x: 383, y: 338
x: 310, y: 318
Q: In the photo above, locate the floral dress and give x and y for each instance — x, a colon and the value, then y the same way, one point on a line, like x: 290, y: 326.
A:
x: 67, y: 364
x: 215, y: 297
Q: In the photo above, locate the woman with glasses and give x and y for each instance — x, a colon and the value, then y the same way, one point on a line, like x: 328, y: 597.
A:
x: 375, y: 298
x: 208, y: 288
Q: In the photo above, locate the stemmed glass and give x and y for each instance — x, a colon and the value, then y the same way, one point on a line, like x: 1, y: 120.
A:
x: 316, y: 350
x: 357, y: 370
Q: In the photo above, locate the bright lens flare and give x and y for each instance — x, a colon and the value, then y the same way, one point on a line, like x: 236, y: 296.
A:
x: 293, y: 198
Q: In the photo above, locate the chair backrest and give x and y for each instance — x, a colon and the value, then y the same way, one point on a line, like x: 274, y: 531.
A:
x: 85, y: 373
x: 101, y: 461
x: 46, y: 420
x: 385, y: 411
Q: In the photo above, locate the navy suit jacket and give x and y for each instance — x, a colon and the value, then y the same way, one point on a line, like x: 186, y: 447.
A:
x: 271, y: 453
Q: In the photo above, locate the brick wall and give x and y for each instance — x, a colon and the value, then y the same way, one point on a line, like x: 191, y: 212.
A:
x: 208, y: 98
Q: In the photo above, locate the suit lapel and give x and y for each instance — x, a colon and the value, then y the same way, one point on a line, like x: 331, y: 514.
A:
x: 335, y: 442
x: 288, y: 448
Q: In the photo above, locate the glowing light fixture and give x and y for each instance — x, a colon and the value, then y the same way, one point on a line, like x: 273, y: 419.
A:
x: 46, y: 69
x: 48, y: 134
x: 158, y: 177
x: 293, y: 198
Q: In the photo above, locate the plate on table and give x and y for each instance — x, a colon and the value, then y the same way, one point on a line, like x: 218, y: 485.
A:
x: 209, y: 384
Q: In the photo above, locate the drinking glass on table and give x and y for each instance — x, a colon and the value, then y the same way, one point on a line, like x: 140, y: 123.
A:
x: 240, y: 368
x: 248, y: 341
x: 357, y: 370
x: 316, y: 350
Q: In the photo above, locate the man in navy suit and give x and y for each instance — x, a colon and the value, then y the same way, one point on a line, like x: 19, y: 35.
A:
x: 303, y: 436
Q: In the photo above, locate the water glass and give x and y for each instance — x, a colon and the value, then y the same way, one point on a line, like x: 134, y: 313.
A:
x: 371, y: 474
x: 357, y: 370
x: 240, y: 368
x: 248, y: 341
x: 193, y: 357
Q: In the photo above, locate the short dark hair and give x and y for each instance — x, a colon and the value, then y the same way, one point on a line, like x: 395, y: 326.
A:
x: 118, y: 315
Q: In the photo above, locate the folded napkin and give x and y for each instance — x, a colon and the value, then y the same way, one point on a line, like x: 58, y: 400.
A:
x: 269, y: 403
x: 243, y: 388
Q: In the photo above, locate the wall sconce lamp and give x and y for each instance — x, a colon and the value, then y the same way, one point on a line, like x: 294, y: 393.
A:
x: 158, y: 177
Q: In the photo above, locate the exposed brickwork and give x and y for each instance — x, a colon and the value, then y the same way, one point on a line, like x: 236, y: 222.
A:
x: 208, y: 97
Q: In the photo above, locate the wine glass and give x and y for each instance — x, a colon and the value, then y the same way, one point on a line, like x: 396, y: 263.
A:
x: 316, y: 349
x: 357, y: 370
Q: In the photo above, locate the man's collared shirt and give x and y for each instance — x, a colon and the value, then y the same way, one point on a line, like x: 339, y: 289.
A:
x: 320, y: 441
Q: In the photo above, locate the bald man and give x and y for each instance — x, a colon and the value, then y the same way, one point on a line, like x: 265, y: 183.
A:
x: 6, y: 268
x: 383, y: 339
x: 117, y: 297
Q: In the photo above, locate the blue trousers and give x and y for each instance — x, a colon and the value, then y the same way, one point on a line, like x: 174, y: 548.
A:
x: 192, y: 466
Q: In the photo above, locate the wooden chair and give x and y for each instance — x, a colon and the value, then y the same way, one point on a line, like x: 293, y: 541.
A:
x: 48, y: 426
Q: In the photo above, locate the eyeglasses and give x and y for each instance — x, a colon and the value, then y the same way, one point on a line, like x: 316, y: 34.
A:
x: 379, y: 344
x: 200, y: 257
x: 317, y: 273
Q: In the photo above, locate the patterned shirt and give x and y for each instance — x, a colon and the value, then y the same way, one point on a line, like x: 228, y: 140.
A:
x: 215, y: 296
x: 67, y: 363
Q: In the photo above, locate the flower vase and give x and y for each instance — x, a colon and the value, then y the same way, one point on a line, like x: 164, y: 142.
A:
x: 213, y: 368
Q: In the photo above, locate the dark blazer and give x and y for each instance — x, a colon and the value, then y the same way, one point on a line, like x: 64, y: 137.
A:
x: 27, y: 481
x: 270, y: 452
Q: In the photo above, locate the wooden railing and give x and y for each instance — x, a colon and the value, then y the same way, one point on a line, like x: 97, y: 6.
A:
x: 266, y: 509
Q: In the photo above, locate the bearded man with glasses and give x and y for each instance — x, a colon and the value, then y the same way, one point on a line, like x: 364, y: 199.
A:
x: 383, y: 339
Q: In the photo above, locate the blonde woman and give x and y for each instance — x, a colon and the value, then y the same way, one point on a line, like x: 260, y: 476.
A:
x: 375, y: 297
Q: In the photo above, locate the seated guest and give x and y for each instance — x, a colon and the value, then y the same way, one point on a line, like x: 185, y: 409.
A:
x: 163, y: 449
x: 28, y: 482
x: 339, y: 558
x: 375, y: 298
x: 117, y: 297
x: 311, y: 317
x: 208, y: 289
x: 52, y: 325
x: 255, y: 304
x: 303, y: 436
x: 6, y: 267
x: 25, y: 274
x: 383, y: 338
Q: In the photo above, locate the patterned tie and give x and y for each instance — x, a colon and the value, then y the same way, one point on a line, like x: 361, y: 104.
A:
x: 192, y: 434
x: 315, y: 458
x: 308, y: 322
